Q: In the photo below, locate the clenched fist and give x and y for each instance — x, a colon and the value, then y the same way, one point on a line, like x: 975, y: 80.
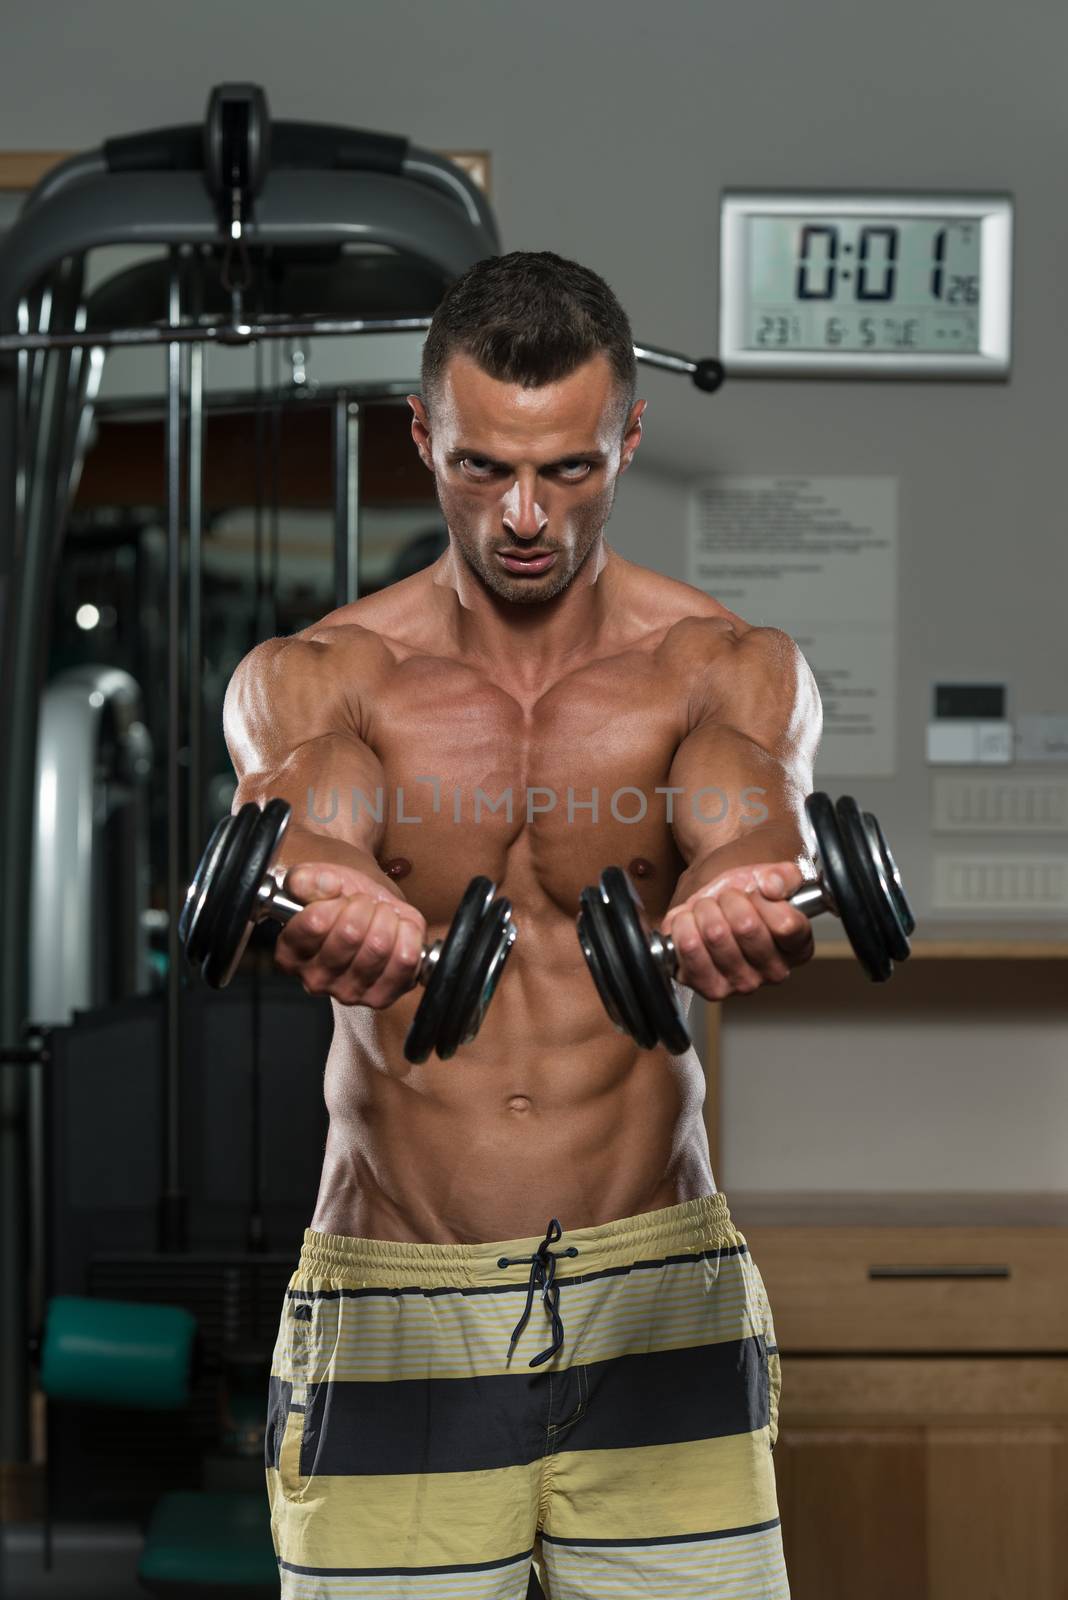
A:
x: 739, y: 932
x: 354, y: 941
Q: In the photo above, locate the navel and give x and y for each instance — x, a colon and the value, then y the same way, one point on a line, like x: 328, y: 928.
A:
x: 519, y: 1102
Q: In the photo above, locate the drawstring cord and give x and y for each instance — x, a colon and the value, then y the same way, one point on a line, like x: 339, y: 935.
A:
x: 543, y: 1275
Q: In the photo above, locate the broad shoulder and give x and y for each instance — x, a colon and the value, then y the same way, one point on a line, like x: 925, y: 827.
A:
x: 751, y: 678
x: 726, y: 665
x: 696, y: 633
x: 304, y: 685
x: 725, y: 649
x: 326, y: 651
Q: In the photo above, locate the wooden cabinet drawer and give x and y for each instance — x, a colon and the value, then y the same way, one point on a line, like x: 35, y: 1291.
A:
x: 889, y: 1288
x: 853, y: 1391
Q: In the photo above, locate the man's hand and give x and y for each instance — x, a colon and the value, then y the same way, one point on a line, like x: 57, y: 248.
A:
x: 355, y: 941
x: 737, y: 933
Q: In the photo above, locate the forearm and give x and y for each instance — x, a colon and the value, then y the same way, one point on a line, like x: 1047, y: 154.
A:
x: 778, y: 839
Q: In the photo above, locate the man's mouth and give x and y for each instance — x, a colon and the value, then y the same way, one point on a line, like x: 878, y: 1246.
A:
x: 530, y: 561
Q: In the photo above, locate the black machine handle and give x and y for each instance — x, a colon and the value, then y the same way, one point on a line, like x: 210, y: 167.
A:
x: 303, y: 145
x: 310, y: 145
x: 322, y: 144
x: 162, y: 150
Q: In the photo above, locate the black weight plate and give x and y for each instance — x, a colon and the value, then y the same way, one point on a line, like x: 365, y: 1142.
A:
x: 897, y: 888
x: 224, y: 873
x: 650, y: 983
x: 595, y: 938
x: 423, y: 1032
x: 846, y: 893
x: 635, y: 970
x: 199, y: 906
x: 617, y: 971
x: 494, y: 967
x: 468, y: 999
x: 225, y: 935
x: 872, y: 871
x: 253, y: 852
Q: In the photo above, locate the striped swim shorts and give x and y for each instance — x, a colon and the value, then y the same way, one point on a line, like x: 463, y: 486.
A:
x: 602, y: 1402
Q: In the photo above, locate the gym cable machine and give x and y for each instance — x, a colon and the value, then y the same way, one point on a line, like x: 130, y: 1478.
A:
x: 254, y: 218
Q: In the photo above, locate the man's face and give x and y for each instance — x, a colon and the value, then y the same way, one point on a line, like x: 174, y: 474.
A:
x: 521, y: 472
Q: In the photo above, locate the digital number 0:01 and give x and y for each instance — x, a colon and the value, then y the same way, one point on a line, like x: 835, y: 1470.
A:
x: 868, y: 270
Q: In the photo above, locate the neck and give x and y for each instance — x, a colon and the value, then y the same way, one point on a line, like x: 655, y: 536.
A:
x: 525, y: 646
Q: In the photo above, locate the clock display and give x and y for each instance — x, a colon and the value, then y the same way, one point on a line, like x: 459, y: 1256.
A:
x: 863, y: 284
x: 838, y: 285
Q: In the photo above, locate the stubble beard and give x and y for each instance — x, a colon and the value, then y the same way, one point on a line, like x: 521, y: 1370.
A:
x: 588, y: 524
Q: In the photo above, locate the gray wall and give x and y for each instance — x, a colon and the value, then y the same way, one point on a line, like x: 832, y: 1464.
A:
x: 613, y: 126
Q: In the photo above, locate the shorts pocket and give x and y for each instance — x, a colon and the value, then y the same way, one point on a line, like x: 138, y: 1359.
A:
x: 774, y: 1390
x: 299, y: 1357
x: 763, y: 1331
x: 770, y: 1349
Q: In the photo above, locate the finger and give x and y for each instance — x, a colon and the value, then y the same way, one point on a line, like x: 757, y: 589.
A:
x: 359, y: 950
x: 302, y: 936
x: 778, y: 880
x: 745, y: 914
x: 785, y: 873
x: 348, y: 932
x: 384, y: 964
x: 696, y: 967
x: 716, y: 921
x: 790, y: 929
x: 400, y: 971
x: 326, y: 880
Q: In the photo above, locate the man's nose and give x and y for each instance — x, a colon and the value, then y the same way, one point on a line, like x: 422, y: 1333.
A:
x: 521, y: 513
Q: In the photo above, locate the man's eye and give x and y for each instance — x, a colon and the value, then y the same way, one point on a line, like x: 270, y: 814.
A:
x: 570, y: 471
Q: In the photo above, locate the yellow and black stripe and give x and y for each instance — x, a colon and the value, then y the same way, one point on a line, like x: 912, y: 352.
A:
x: 415, y: 1450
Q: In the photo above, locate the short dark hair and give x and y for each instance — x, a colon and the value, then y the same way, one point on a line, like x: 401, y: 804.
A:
x: 529, y: 317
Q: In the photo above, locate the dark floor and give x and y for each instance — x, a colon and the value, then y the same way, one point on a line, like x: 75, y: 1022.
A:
x: 96, y: 1562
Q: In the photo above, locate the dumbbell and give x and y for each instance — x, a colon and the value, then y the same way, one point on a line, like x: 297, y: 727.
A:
x: 232, y: 890
x: 633, y: 966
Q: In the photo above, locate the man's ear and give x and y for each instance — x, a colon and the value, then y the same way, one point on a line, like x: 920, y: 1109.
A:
x: 421, y: 430
x: 632, y: 434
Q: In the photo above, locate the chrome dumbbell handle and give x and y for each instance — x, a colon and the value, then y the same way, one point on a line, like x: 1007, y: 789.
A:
x: 274, y: 904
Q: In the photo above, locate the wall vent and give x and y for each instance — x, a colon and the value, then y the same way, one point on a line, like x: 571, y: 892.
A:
x: 1002, y: 804
x: 995, y: 884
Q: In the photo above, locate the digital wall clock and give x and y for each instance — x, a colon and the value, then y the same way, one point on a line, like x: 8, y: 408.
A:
x: 866, y: 285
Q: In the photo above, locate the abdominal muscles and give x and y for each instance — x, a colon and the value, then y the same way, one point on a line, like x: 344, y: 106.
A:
x: 491, y: 1146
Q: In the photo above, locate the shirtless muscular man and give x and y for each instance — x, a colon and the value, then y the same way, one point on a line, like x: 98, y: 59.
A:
x: 533, y: 707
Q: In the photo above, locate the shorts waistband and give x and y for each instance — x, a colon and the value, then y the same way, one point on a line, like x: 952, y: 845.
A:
x: 697, y: 1225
